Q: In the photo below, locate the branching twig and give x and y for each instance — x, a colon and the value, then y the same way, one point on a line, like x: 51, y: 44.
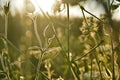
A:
x: 90, y: 13
x: 84, y: 16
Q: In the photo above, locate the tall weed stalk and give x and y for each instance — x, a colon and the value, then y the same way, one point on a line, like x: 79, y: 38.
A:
x: 5, y: 60
x: 34, y: 18
x: 71, y: 64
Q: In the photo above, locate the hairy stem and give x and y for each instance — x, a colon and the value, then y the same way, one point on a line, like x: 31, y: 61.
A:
x: 36, y: 32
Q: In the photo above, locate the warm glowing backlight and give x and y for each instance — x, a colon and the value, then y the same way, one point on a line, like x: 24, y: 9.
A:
x: 45, y: 5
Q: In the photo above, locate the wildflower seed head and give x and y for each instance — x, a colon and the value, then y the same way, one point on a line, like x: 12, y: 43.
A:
x: 92, y: 34
x: 22, y: 78
x: 90, y: 19
x: 47, y: 64
x: 103, y: 16
x: 30, y: 7
x: 82, y: 38
x: 84, y: 30
x: 87, y: 46
x: 95, y: 29
x: 60, y: 78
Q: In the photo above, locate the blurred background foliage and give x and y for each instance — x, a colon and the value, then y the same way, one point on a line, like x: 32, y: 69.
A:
x: 85, y: 34
x: 21, y: 34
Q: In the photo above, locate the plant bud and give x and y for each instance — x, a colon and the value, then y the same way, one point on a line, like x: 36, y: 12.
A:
x: 6, y: 8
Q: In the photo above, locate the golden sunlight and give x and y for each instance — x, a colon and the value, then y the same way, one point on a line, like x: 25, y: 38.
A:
x: 45, y: 5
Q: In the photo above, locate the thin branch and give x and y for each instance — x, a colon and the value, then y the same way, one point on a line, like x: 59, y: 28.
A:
x: 63, y: 51
x: 90, y: 13
x: 39, y: 65
x: 84, y: 16
x: 11, y: 44
x: 6, y: 25
x: 36, y: 32
x: 90, y: 51
x: 113, y: 64
x: 68, y: 30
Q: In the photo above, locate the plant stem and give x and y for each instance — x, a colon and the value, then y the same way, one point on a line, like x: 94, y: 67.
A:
x: 36, y: 32
x: 2, y: 62
x: 6, y: 25
x: 90, y: 13
x: 40, y: 44
x: 90, y: 51
x: 38, y: 66
x: 97, y: 59
x: 91, y: 68
x: 63, y: 51
x: 6, y: 29
x: 84, y: 16
x: 64, y: 54
x: 113, y: 64
x: 68, y: 30
x: 112, y: 50
x: 6, y: 47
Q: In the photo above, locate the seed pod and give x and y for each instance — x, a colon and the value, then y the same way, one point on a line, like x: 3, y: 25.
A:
x: 6, y: 8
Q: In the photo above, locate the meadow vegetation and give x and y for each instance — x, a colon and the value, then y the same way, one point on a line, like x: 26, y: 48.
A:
x: 35, y: 47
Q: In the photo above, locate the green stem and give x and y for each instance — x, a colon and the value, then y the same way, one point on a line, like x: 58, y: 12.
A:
x: 64, y: 53
x: 2, y: 62
x: 68, y: 44
x: 90, y: 13
x: 14, y: 47
x: 6, y: 46
x: 68, y: 30
x: 113, y: 64
x: 84, y: 16
x: 4, y: 66
x: 91, y: 68
x: 45, y: 76
x: 90, y: 51
x: 38, y: 66
x: 97, y: 60
x: 6, y: 30
x: 6, y: 25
